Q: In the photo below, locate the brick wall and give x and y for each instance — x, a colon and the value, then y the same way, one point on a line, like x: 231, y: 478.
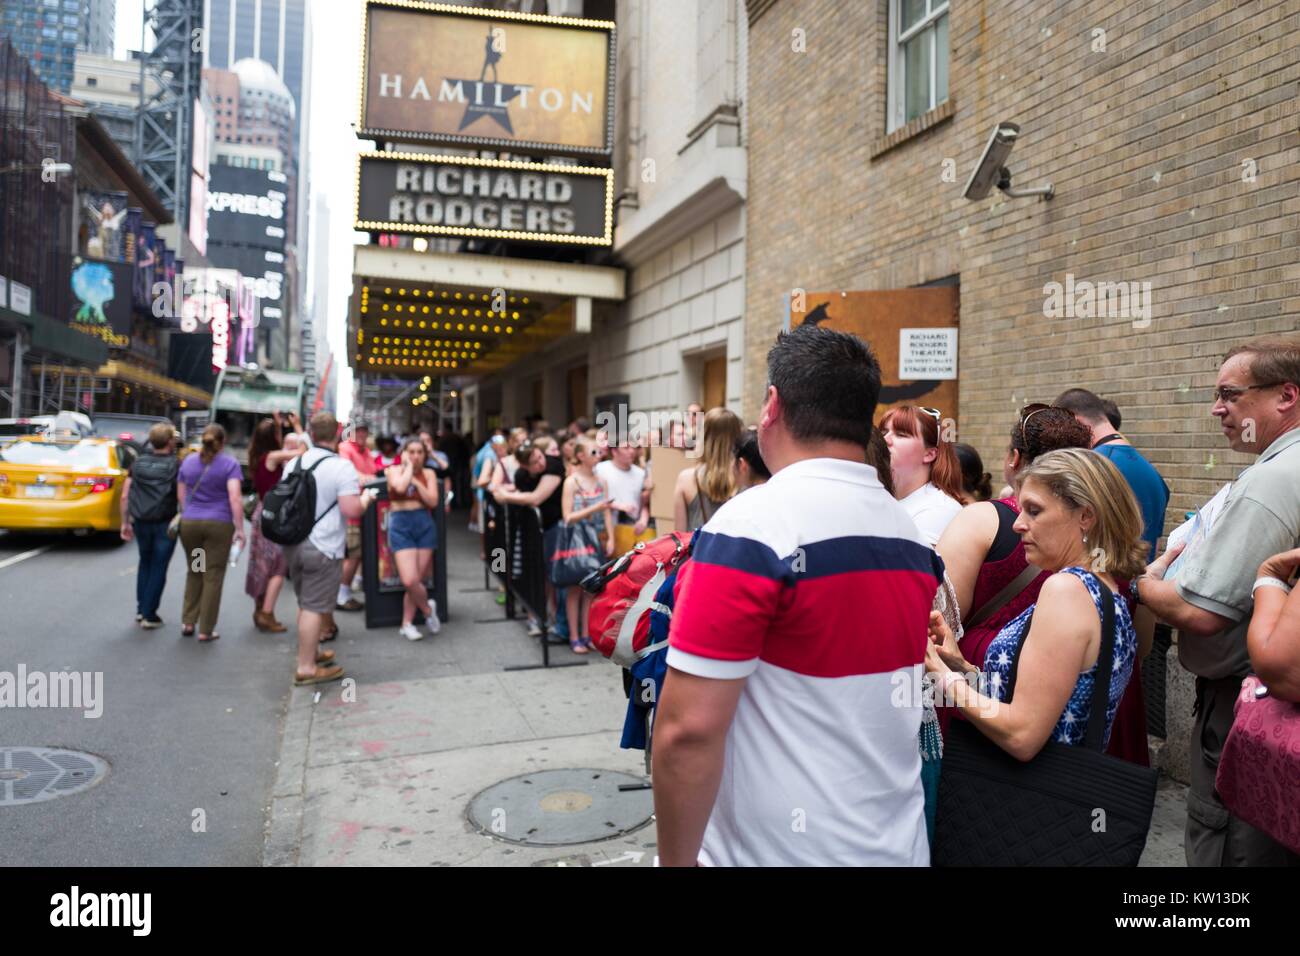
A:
x: 1145, y: 144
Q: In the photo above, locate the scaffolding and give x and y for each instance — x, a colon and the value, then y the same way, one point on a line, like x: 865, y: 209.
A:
x: 165, y: 121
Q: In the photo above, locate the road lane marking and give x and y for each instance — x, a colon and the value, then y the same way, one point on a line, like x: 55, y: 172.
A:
x: 24, y: 556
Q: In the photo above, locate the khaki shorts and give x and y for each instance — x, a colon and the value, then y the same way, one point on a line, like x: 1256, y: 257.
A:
x: 315, y: 577
x: 354, y: 542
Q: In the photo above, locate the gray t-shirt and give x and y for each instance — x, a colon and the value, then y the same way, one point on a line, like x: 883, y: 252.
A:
x: 334, y: 477
x: 1260, y: 518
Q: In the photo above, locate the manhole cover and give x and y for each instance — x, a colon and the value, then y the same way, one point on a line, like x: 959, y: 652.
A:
x: 562, y: 807
x: 33, y: 774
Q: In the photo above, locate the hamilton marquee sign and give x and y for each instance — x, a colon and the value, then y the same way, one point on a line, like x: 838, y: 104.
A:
x: 424, y: 194
x: 486, y: 78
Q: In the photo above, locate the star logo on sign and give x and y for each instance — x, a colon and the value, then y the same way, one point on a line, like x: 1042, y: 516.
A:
x: 491, y: 99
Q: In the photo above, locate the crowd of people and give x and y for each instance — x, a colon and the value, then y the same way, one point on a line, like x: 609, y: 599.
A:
x: 876, y: 554
x: 200, y: 501
x: 831, y: 558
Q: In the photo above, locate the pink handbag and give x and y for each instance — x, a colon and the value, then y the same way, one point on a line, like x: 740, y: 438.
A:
x: 1259, y: 770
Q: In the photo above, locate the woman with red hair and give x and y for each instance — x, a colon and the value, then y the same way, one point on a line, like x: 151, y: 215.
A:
x: 927, y: 475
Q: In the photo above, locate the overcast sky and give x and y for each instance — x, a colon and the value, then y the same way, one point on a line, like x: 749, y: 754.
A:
x: 333, y: 147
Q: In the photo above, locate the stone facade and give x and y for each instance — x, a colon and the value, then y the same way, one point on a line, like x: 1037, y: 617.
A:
x: 680, y: 180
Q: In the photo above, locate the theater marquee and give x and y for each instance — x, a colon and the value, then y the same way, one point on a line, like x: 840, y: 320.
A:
x: 454, y: 196
x: 486, y: 78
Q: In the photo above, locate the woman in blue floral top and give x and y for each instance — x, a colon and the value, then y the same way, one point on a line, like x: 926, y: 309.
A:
x: 1078, y: 519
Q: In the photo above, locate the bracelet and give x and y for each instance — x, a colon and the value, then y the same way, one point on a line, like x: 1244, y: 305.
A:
x: 1270, y: 582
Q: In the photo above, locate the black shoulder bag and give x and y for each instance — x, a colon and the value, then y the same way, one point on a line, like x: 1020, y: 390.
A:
x: 1068, y: 806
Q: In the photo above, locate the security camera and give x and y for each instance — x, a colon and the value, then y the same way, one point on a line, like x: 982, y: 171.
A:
x: 991, y: 170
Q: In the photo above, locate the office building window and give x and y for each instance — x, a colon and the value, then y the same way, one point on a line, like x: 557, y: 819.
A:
x: 918, y: 58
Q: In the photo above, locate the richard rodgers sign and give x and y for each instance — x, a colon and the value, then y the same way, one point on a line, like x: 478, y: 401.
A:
x: 451, y: 196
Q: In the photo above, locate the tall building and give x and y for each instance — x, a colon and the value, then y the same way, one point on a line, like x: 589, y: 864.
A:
x: 274, y: 31
x: 98, y: 26
x: 47, y: 34
x: 112, y: 89
x: 264, y: 41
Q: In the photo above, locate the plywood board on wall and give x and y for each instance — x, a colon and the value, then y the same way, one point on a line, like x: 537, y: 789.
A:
x: 666, y: 465
x: 878, y: 318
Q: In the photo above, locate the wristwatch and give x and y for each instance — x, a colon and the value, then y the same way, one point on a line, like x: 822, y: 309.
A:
x: 1137, y: 593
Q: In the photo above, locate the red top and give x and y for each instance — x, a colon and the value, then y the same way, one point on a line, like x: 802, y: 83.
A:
x: 993, y: 577
x: 264, y: 480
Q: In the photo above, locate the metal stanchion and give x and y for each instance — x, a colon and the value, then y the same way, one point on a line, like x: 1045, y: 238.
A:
x: 496, y: 538
x: 530, y: 586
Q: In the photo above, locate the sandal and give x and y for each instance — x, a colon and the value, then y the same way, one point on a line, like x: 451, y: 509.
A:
x: 325, y: 657
x: 578, y: 646
x: 209, y: 639
x: 187, y: 630
x: 322, y: 675
x: 330, y: 634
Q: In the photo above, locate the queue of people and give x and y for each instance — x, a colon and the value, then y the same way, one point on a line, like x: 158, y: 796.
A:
x: 873, y: 555
x: 833, y: 561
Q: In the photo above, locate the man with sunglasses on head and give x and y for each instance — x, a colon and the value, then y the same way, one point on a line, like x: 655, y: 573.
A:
x: 1257, y: 402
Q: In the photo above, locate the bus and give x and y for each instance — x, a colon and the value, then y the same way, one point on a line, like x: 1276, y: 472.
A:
x: 244, y: 396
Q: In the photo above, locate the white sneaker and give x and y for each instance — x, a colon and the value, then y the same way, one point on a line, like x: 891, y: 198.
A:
x: 411, y: 632
x: 431, y: 621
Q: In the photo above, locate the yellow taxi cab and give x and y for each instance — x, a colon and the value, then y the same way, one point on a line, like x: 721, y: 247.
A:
x: 63, y: 483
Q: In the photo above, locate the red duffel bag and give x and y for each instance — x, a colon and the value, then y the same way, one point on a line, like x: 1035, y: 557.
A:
x: 623, y: 594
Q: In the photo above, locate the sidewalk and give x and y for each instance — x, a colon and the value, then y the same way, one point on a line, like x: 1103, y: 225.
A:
x: 387, y: 780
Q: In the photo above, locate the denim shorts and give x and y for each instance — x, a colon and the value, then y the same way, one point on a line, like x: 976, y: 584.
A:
x: 410, y: 529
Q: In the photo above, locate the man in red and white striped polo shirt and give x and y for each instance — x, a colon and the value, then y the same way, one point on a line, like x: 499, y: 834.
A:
x: 787, y: 727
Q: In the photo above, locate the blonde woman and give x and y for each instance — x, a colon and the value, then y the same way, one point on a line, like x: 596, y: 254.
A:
x: 412, y: 534
x: 1078, y: 520
x: 585, y: 498
x: 702, y: 490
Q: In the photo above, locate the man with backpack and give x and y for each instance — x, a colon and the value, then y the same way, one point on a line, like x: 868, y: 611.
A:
x: 306, y: 513
x: 785, y: 734
x: 148, y: 506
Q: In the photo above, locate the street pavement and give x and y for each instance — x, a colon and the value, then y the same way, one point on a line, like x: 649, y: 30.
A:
x: 185, y: 726
x: 378, y: 771
x: 386, y: 779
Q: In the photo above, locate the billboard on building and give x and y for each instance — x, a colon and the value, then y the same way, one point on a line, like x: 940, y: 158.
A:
x: 486, y: 78
x: 247, y: 210
x: 454, y: 196
x: 247, y: 206
x: 103, y: 225
x: 101, y: 299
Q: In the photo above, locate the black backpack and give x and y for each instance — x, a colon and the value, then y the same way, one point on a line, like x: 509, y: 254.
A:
x: 153, y: 488
x: 289, y: 508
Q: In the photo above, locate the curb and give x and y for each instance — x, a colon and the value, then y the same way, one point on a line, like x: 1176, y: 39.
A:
x: 284, y: 818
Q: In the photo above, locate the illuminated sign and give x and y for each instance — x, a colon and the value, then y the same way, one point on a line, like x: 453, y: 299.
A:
x: 495, y: 78
x: 454, y: 196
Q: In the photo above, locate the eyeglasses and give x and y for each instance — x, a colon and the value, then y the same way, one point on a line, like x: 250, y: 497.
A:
x: 1229, y: 394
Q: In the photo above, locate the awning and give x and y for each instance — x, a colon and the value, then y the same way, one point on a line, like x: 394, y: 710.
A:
x: 146, y: 378
x: 418, y: 314
x: 57, y: 340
